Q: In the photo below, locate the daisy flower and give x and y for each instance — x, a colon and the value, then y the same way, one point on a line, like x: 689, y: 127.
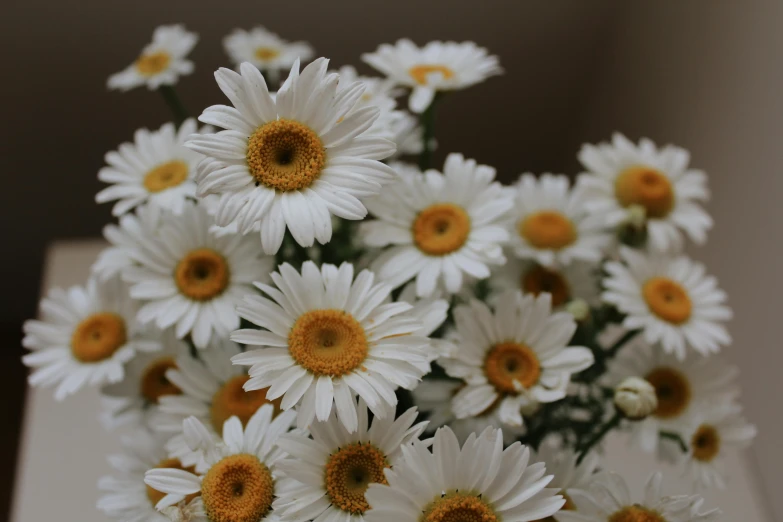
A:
x: 478, y: 481
x: 264, y: 49
x: 240, y: 477
x: 609, y: 499
x: 715, y: 431
x: 570, y: 476
x: 551, y: 224
x: 192, y: 280
x: 161, y: 62
x: 622, y: 174
x: 156, y: 168
x: 670, y: 299
x: 439, y: 226
x: 437, y: 66
x: 378, y: 92
x: 331, y: 472
x: 404, y: 130
x: 326, y: 337
x: 126, y: 239
x: 293, y: 160
x: 513, y: 357
x: 85, y: 337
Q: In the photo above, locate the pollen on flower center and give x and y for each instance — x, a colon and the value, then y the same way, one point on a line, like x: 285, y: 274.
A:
x: 328, y: 342
x: 441, y: 229
x: 705, y: 443
x: 154, y: 383
x: 154, y: 495
x: 202, y: 274
x: 635, y: 513
x: 266, y: 53
x: 509, y: 365
x: 459, y: 507
x: 97, y: 337
x: 645, y: 186
x: 547, y: 229
x: 667, y: 299
x: 539, y: 279
x: 672, y: 390
x: 238, y: 488
x: 285, y: 155
x: 349, y: 471
x: 420, y: 72
x: 166, y: 175
x: 153, y: 63
x: 232, y: 400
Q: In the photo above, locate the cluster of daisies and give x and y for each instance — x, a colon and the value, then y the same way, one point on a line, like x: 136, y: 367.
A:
x: 293, y: 323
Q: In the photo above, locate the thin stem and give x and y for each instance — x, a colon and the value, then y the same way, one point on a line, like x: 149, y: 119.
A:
x: 595, y: 439
x: 676, y: 438
x: 427, y: 120
x: 627, y: 336
x: 178, y: 110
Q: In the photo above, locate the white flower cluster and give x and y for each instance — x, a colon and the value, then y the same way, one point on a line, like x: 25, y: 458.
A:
x: 268, y: 354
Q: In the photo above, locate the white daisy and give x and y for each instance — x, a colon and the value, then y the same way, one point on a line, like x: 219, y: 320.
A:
x: 513, y: 357
x: 126, y: 239
x: 192, y: 280
x: 294, y: 160
x: 609, y: 499
x: 265, y: 49
x: 126, y: 497
x: 715, y: 431
x: 438, y: 66
x: 439, y: 226
x: 622, y: 174
x: 85, y: 337
x: 404, y: 130
x: 551, y: 224
x: 378, y: 92
x: 682, y: 388
x: 156, y: 168
x: 671, y: 299
x: 331, y: 472
x: 479, y: 481
x: 326, y: 337
x: 161, y: 62
x: 571, y: 477
x: 240, y: 478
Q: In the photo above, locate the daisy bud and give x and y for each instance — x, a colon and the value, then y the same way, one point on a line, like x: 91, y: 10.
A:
x: 579, y: 309
x: 636, y: 216
x: 635, y: 398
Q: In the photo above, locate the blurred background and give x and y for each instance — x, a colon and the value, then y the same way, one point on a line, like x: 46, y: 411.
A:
x: 706, y: 75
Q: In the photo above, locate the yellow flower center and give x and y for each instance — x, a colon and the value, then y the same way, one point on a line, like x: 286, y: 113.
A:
x: 441, y: 229
x: 166, y: 175
x: 154, y: 495
x: 153, y: 63
x: 539, y: 279
x: 239, y: 488
x: 349, y: 472
x: 328, y: 342
x: 420, y: 72
x: 232, y: 400
x: 154, y: 383
x: 672, y: 390
x: 635, y: 513
x: 97, y: 337
x: 285, y: 155
x: 266, y: 53
x: 547, y: 229
x: 667, y: 299
x: 645, y: 186
x: 459, y: 507
x: 202, y: 274
x: 705, y: 443
x: 509, y: 365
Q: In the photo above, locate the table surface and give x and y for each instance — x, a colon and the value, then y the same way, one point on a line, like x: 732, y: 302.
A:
x: 64, y: 447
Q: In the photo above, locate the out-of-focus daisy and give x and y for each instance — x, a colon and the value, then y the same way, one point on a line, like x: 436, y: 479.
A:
x: 406, y: 132
x: 331, y: 472
x: 671, y: 299
x: 439, y: 226
x: 126, y: 497
x: 438, y: 66
x: 621, y: 174
x: 378, y: 92
x: 513, y: 356
x: 84, y: 338
x: 570, y: 476
x: 551, y: 224
x: 294, y: 160
x: 162, y: 62
x: 327, y: 337
x: 156, y: 168
x: 126, y: 239
x: 240, y: 478
x: 192, y: 280
x: 265, y: 49
x: 478, y: 481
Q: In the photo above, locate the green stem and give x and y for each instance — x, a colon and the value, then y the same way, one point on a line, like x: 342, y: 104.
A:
x: 676, y: 438
x: 595, y: 439
x: 627, y: 336
x: 427, y: 120
x: 178, y: 110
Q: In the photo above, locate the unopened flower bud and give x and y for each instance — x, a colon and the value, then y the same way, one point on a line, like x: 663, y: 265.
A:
x: 579, y: 309
x: 635, y: 398
x: 636, y: 216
